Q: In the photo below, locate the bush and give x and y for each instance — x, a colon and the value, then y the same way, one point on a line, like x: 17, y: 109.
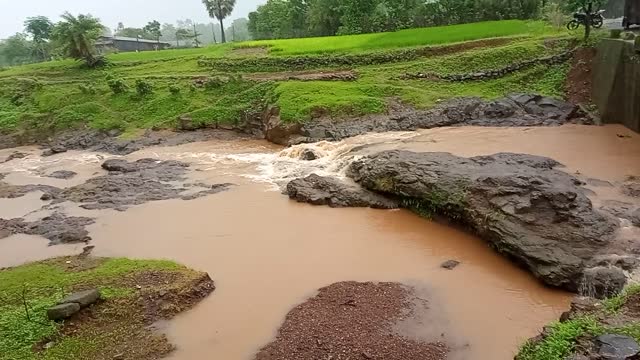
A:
x: 554, y: 14
x: 143, y: 87
x: 174, y: 89
x: 214, y: 83
x: 87, y: 89
x: 117, y: 85
x: 24, y: 90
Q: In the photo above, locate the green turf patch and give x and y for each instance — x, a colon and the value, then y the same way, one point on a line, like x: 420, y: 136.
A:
x: 27, y: 291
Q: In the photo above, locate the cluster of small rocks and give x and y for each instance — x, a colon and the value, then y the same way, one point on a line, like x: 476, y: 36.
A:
x: 72, y: 304
x: 497, y: 73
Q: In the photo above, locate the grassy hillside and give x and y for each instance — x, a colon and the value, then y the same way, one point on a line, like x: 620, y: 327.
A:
x: 221, y: 84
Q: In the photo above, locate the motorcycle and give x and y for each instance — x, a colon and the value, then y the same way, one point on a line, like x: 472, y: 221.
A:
x: 597, y: 20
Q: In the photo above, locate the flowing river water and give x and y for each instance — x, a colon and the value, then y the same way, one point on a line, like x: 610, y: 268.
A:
x: 267, y: 254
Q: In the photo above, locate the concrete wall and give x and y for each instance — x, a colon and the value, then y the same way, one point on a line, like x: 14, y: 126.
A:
x: 616, y: 83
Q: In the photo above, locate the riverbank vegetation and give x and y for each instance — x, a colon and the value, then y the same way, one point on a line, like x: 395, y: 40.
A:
x: 134, y: 294
x: 222, y: 84
x: 617, y: 315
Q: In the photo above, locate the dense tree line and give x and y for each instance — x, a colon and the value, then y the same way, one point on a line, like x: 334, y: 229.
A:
x: 302, y: 18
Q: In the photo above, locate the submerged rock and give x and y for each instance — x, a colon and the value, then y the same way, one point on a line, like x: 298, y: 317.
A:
x: 55, y: 149
x: 450, y: 264
x: 518, y: 203
x: 62, y: 174
x: 58, y: 228
x: 319, y: 190
x: 134, y: 183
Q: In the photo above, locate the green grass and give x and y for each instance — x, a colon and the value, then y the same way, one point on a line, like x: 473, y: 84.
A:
x: 560, y: 341
x: 561, y: 337
x: 57, y: 101
x: 404, y: 38
x: 45, y: 283
x: 613, y: 304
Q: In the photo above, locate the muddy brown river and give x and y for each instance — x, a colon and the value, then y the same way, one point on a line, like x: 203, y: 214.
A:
x: 267, y: 254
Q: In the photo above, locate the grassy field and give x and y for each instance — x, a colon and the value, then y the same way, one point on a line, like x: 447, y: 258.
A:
x: 118, y: 322
x: 404, y: 38
x: 62, y: 94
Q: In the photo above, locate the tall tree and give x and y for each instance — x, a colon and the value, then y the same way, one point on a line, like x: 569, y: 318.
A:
x: 152, y: 29
x: 220, y: 9
x: 76, y: 35
x: 39, y: 27
x: 15, y: 50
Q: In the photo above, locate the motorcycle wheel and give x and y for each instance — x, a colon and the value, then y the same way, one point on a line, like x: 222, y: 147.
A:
x: 597, y: 22
x: 572, y: 25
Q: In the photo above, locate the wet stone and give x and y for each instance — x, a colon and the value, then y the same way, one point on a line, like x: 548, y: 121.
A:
x: 82, y: 298
x: 62, y: 174
x: 450, y: 264
x: 62, y: 311
x: 617, y: 347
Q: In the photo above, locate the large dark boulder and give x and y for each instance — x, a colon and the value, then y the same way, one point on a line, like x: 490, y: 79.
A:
x: 519, y: 203
x: 319, y: 190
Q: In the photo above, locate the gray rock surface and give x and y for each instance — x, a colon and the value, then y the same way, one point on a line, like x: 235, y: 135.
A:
x: 519, y: 203
x: 319, y: 190
x: 513, y: 110
x: 450, y: 264
x: 602, y: 281
x: 62, y: 174
x: 58, y: 228
x: 617, y: 347
x: 63, y: 311
x: 82, y: 298
x: 635, y: 217
x: 134, y: 183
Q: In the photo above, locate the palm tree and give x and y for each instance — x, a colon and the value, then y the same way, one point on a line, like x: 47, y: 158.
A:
x: 77, y: 36
x: 220, y: 9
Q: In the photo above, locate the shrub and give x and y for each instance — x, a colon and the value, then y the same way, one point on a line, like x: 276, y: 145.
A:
x: 24, y: 90
x: 117, y: 85
x: 214, y: 83
x: 87, y: 89
x: 554, y: 14
x: 143, y: 87
x: 174, y: 89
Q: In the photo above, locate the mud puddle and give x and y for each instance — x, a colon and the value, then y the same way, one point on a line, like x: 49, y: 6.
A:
x: 268, y: 254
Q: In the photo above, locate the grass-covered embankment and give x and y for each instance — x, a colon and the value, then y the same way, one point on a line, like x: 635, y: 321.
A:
x: 617, y: 315
x: 135, y: 293
x: 57, y: 95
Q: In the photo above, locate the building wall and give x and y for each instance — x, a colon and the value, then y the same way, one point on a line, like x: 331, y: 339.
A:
x: 616, y: 83
x: 137, y: 46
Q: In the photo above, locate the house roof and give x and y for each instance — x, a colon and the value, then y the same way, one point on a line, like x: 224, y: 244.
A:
x: 108, y: 39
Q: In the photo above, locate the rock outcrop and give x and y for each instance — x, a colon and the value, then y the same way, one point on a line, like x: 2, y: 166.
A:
x: 513, y: 110
x: 319, y: 190
x: 519, y: 203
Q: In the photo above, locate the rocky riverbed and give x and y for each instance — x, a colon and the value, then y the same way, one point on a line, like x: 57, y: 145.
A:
x: 521, y: 204
x: 145, y: 201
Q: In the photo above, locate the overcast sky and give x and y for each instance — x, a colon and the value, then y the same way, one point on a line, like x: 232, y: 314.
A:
x: 133, y: 13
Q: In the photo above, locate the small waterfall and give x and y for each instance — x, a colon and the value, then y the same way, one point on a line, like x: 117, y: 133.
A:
x: 602, y: 281
x: 323, y: 158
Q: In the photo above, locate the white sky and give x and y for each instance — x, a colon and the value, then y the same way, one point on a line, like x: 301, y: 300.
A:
x: 133, y: 13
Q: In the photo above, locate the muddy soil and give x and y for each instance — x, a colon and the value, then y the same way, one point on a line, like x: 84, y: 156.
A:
x: 580, y: 79
x: 352, y: 320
